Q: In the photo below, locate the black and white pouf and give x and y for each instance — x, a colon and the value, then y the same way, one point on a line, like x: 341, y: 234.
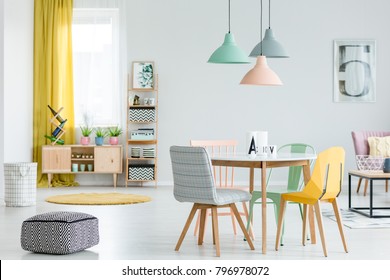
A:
x: 59, y: 232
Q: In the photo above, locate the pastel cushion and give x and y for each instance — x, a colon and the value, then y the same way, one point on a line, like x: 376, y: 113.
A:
x: 379, y: 146
x: 59, y: 232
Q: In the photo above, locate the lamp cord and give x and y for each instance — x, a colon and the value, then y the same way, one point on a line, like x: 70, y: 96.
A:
x: 229, y: 16
x: 261, y: 27
x: 269, y: 14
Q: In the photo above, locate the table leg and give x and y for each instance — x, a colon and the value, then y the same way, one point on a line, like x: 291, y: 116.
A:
x: 306, y: 178
x: 264, y: 206
x: 251, y: 179
x: 349, y: 191
x: 371, y: 195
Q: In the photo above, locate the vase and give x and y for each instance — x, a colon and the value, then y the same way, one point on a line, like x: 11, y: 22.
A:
x: 386, y: 165
x: 85, y: 140
x: 114, y: 140
x: 99, y: 141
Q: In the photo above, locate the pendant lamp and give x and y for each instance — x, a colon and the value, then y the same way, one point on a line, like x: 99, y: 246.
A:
x: 270, y: 46
x: 229, y: 52
x: 261, y: 74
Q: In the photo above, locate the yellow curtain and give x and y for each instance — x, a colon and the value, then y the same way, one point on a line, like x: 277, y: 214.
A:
x: 53, y: 77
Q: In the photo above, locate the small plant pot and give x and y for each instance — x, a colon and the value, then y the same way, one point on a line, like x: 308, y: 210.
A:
x: 114, y: 140
x: 85, y: 140
x: 99, y: 141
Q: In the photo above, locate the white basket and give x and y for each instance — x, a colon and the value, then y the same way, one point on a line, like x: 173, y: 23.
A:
x: 366, y: 162
x: 20, y: 183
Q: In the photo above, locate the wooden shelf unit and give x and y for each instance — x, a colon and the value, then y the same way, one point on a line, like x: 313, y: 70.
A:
x: 141, y: 169
x: 59, y: 159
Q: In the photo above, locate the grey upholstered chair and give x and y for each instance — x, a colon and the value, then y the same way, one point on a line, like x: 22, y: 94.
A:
x: 194, y: 182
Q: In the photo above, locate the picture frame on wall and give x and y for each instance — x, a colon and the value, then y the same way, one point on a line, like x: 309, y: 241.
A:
x: 143, y: 75
x: 354, y: 71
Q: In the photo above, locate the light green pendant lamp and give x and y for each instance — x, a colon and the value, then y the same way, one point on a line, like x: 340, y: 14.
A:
x: 229, y: 52
x: 269, y: 45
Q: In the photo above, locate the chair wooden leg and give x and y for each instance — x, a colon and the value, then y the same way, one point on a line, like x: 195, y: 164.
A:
x: 249, y: 224
x: 280, y: 222
x: 304, y: 223
x: 359, y: 183
x: 339, y: 223
x: 186, y: 226
x: 214, y: 215
x: 365, y: 187
x: 387, y: 185
x: 320, y: 226
x: 242, y: 226
x: 312, y: 224
x: 197, y: 224
x: 233, y: 222
x: 203, y: 213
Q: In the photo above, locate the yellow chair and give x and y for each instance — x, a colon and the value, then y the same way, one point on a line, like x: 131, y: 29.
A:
x: 324, y: 186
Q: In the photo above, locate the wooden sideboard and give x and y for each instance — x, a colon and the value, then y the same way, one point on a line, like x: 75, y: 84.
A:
x: 89, y: 159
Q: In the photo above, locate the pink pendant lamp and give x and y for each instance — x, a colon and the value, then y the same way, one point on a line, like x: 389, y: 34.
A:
x: 261, y: 74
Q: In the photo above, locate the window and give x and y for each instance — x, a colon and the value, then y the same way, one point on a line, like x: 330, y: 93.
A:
x: 96, y: 69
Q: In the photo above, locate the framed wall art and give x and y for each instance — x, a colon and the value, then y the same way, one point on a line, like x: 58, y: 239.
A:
x: 354, y: 71
x: 143, y: 75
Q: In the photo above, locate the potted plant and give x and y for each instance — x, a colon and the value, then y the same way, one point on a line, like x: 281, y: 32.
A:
x: 85, y: 132
x: 114, y: 132
x: 100, y: 134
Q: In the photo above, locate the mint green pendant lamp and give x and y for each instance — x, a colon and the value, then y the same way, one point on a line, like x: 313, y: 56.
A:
x: 269, y: 45
x: 229, y: 52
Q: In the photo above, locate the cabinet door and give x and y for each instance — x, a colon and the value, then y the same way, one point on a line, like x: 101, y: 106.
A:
x: 56, y: 159
x: 108, y: 159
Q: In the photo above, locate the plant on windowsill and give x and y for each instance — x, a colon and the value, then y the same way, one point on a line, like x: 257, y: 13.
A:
x: 114, y: 132
x: 85, y: 132
x: 100, y: 134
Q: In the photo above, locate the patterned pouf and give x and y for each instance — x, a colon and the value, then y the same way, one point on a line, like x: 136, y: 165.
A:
x: 59, y: 232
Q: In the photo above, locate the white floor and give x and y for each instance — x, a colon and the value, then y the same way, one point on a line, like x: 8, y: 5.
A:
x: 149, y: 231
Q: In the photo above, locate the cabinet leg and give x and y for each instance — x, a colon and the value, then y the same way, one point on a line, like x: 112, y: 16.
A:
x: 115, y: 176
x: 49, y: 178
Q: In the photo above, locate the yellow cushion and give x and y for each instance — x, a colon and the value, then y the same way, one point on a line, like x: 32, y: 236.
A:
x: 379, y: 146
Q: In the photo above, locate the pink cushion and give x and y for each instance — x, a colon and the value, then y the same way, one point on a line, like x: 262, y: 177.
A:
x: 360, y: 142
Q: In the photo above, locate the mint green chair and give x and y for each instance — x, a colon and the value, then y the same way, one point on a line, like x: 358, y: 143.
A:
x: 295, y: 183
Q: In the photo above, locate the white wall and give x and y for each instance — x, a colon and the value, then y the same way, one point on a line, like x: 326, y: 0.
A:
x: 200, y: 100
x: 18, y: 79
x: 205, y: 101
x: 1, y: 101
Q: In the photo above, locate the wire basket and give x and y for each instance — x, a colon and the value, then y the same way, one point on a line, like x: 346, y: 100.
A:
x: 367, y: 162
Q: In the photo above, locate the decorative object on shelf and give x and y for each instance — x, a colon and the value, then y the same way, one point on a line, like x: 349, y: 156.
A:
x: 148, y: 152
x: 100, y: 134
x: 142, y: 134
x: 261, y: 74
x: 229, y: 52
x: 55, y: 140
x: 114, y: 132
x: 142, y: 114
x: 354, y: 71
x: 135, y: 152
x: 85, y: 132
x: 143, y: 75
x: 59, y: 124
x: 136, y: 100
x: 141, y: 172
x: 269, y: 46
